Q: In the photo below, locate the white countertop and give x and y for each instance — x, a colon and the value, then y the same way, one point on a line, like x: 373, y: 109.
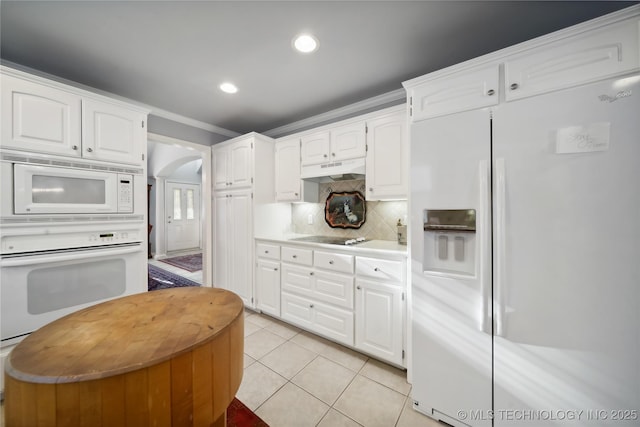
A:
x: 372, y: 247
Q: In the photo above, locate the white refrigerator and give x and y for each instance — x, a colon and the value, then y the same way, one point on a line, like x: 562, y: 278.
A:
x: 525, y: 259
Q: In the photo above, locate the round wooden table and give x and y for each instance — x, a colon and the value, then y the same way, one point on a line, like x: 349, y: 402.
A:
x: 171, y: 357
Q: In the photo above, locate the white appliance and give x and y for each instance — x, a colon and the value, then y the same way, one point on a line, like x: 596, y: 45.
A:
x: 41, y: 286
x: 335, y: 171
x: 62, y: 187
x: 525, y: 252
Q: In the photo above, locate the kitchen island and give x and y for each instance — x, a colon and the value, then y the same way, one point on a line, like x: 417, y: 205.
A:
x: 167, y: 358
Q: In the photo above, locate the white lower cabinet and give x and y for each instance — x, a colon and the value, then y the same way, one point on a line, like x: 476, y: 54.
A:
x: 268, y: 287
x: 379, y: 319
x: 329, y: 321
x: 355, y: 300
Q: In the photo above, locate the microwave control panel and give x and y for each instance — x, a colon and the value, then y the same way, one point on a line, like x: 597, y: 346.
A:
x: 125, y: 193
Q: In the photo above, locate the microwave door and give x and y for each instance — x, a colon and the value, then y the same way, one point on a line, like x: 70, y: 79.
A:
x: 52, y: 190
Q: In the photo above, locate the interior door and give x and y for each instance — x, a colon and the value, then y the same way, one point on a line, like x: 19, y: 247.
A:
x: 183, y: 216
x: 451, y: 339
x: 566, y: 291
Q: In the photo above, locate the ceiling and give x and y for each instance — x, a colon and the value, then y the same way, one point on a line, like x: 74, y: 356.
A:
x: 172, y: 55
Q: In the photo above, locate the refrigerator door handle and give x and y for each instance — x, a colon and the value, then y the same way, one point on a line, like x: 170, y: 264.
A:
x: 500, y: 263
x: 485, y: 246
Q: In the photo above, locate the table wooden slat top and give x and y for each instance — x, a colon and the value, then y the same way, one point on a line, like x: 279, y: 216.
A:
x: 123, y: 335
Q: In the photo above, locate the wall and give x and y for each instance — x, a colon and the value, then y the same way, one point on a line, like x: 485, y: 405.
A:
x: 166, y: 127
x: 380, y: 223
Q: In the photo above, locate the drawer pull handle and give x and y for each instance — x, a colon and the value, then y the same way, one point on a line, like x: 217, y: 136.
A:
x: 358, y: 287
x: 311, y: 273
x: 266, y: 252
x: 310, y: 305
x: 491, y: 92
x: 331, y: 262
x: 376, y: 269
x: 275, y: 269
x: 514, y: 86
x: 294, y: 256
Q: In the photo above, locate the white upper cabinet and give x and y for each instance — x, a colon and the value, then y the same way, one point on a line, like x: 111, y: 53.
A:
x: 287, y: 170
x: 348, y: 142
x: 42, y: 118
x: 580, y: 59
x: 112, y: 133
x: 334, y: 144
x: 233, y: 165
x: 387, y: 157
x: 455, y: 93
x: 315, y: 148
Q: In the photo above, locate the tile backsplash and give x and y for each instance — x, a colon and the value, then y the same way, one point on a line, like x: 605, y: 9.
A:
x: 381, y: 217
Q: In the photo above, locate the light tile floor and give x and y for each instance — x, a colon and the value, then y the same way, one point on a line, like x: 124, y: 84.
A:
x: 295, y: 378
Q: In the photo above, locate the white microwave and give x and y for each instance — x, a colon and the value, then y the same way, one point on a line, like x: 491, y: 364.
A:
x: 60, y: 190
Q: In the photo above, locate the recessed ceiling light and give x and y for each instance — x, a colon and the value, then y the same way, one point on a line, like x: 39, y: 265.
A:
x: 305, y: 43
x: 228, y: 87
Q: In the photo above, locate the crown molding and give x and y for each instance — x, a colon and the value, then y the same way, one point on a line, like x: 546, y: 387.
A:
x: 338, y: 113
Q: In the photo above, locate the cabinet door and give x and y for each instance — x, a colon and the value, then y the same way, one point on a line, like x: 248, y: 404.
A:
x: 268, y: 287
x: 379, y: 319
x: 39, y: 118
x: 348, y: 142
x: 297, y: 310
x: 599, y: 54
x: 315, y: 148
x: 288, y: 170
x: 241, y: 166
x: 240, y: 223
x: 221, y: 165
x: 455, y: 93
x: 112, y: 133
x: 296, y: 279
x: 387, y: 158
x: 223, y: 245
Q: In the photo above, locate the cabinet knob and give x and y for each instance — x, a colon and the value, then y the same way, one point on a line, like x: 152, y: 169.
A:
x: 376, y: 269
x: 333, y: 154
x: 275, y: 269
x: 75, y: 147
x: 266, y: 252
x: 371, y: 189
x: 325, y: 156
x: 331, y: 262
x: 311, y: 273
x: 310, y: 305
x: 514, y: 86
x: 89, y: 149
x: 294, y: 256
x: 358, y: 287
x: 296, y: 194
x: 491, y: 92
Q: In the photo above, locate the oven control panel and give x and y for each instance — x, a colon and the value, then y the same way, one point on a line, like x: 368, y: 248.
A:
x: 50, y: 239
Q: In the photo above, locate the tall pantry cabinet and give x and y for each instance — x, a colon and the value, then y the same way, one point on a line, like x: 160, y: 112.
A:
x: 244, y: 180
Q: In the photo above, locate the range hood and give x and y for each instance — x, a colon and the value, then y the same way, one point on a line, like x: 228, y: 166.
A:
x: 337, y: 171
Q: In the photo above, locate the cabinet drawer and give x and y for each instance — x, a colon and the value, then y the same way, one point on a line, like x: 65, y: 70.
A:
x: 334, y: 288
x: 335, y: 262
x: 332, y: 322
x: 297, y: 255
x: 380, y: 269
x: 297, y: 279
x: 265, y: 250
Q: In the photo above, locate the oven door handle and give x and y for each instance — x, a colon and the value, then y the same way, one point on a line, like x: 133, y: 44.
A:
x: 69, y: 256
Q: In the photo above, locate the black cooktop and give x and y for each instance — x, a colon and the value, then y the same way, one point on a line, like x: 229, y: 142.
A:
x: 331, y: 240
